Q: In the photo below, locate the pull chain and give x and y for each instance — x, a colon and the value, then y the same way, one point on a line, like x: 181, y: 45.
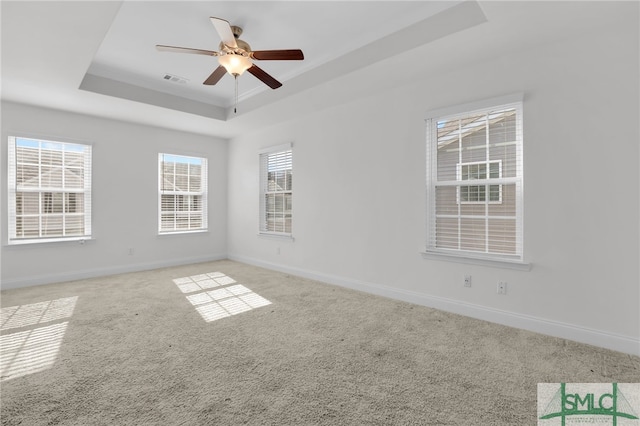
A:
x: 235, y: 111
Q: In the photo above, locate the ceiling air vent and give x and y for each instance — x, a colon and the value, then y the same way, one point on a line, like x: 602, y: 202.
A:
x: 175, y: 78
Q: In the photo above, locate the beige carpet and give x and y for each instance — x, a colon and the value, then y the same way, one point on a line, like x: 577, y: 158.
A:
x: 235, y: 344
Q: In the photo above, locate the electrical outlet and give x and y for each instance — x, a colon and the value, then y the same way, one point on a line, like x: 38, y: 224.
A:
x: 467, y: 280
x: 502, y: 287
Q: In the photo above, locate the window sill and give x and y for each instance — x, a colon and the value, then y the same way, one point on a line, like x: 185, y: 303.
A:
x: 268, y: 235
x: 498, y: 263
x: 177, y: 233
x: 44, y: 241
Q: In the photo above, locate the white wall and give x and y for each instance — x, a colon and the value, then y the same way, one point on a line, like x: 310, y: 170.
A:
x: 125, y: 199
x: 359, y: 200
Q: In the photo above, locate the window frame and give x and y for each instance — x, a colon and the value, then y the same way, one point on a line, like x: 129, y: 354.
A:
x: 263, y: 156
x: 516, y: 260
x: 203, y: 194
x: 85, y: 191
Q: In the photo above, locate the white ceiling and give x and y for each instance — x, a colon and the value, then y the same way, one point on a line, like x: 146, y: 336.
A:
x: 324, y: 33
x: 100, y: 58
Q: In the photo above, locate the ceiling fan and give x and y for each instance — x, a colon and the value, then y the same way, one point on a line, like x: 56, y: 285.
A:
x: 235, y: 56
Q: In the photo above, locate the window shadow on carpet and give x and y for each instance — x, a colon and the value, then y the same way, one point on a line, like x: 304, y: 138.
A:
x: 32, y: 347
x: 216, y: 295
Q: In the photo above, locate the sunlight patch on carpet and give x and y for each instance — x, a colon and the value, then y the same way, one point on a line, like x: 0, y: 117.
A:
x: 36, y: 313
x: 224, y: 300
x: 34, y: 349
x: 202, y: 282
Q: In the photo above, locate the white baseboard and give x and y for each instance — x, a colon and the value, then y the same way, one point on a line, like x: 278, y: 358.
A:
x: 99, y: 272
x: 553, y: 328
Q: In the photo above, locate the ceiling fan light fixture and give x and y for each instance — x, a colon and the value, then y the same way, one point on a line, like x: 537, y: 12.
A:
x: 235, y: 64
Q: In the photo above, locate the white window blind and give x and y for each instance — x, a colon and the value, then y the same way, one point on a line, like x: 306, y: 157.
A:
x: 49, y: 190
x: 276, y: 190
x: 475, y: 183
x: 183, y: 193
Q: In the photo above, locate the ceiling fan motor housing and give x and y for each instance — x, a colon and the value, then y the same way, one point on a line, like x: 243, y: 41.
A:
x: 242, y: 49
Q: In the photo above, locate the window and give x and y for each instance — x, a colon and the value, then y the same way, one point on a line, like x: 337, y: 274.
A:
x: 183, y: 193
x: 276, y: 190
x: 49, y: 191
x: 482, y: 219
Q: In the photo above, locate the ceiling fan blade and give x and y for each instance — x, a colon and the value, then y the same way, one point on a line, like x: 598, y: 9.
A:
x: 215, y: 76
x: 264, y: 77
x: 176, y: 49
x: 278, y: 55
x: 224, y: 31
